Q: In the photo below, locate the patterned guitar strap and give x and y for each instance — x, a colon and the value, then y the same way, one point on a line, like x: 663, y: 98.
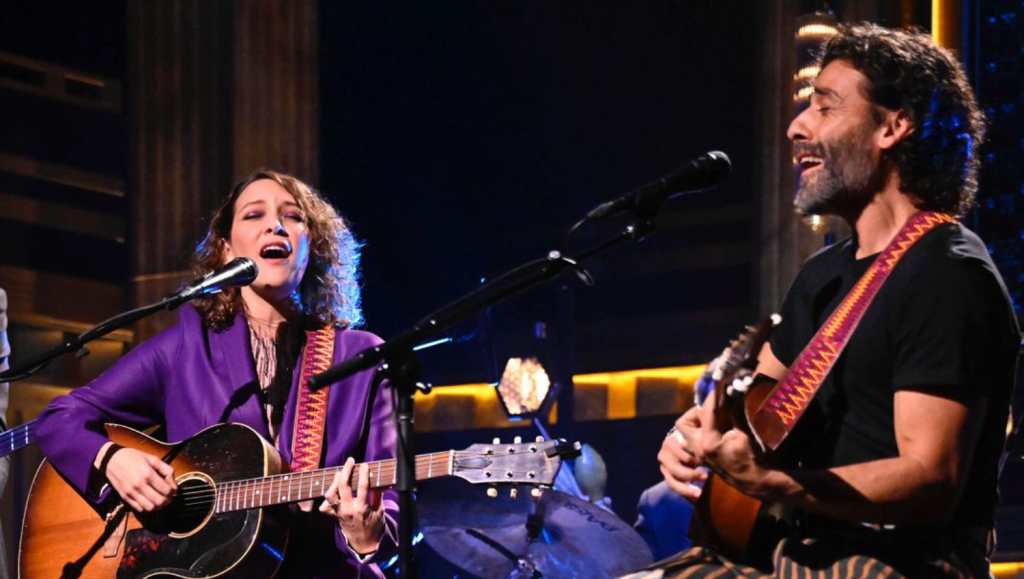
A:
x: 311, y: 407
x: 780, y: 410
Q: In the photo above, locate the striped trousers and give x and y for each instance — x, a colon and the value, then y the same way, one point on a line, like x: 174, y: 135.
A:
x: 812, y: 559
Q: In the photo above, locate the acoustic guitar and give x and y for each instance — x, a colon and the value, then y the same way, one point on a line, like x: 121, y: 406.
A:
x: 228, y: 518
x: 725, y: 519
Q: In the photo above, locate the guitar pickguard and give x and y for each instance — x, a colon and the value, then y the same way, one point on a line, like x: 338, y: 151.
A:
x: 218, y: 545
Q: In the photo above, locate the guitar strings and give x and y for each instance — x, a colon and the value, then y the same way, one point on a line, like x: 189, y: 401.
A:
x: 387, y: 466
x: 297, y: 480
x: 241, y: 493
x: 8, y: 436
x: 202, y: 498
x: 295, y: 484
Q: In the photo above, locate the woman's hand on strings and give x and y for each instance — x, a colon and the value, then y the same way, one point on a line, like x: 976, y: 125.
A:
x: 145, y: 482
x: 359, y: 512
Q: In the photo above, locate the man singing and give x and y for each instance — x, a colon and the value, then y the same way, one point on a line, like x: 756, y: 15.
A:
x: 891, y: 470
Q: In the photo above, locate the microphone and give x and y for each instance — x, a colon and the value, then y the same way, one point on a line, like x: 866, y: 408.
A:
x: 238, y: 272
x: 705, y: 171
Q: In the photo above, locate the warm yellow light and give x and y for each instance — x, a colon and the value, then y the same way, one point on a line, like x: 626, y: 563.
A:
x: 947, y: 19
x: 524, y: 385
x: 816, y: 223
x: 465, y: 406
x: 621, y: 387
x: 803, y: 94
x: 808, y: 30
x: 1009, y: 570
x: 684, y: 374
x: 807, y: 73
x: 482, y: 391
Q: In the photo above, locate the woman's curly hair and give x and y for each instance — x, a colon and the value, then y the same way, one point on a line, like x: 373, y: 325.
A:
x: 329, y: 292
x: 906, y: 71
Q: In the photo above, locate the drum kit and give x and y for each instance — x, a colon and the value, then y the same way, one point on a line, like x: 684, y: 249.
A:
x: 521, y: 536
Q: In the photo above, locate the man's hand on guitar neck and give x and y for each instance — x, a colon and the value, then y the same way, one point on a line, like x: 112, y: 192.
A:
x: 693, y: 440
x: 679, y: 467
x: 145, y: 482
x: 729, y: 454
x: 694, y: 443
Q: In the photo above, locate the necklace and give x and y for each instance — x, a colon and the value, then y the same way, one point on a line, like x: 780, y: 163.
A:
x: 275, y: 346
x: 264, y: 353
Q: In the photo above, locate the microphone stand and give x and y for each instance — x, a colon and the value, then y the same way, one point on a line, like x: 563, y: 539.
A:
x: 396, y: 358
x: 77, y: 343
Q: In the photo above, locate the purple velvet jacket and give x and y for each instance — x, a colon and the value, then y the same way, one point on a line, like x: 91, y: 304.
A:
x: 184, y: 378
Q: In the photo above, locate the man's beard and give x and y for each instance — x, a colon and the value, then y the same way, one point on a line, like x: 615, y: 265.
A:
x: 845, y: 180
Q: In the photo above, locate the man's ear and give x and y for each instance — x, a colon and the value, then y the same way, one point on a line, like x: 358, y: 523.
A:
x: 894, y: 128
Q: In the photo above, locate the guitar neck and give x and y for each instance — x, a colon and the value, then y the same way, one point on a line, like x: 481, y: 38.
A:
x: 300, y: 486
x: 16, y: 438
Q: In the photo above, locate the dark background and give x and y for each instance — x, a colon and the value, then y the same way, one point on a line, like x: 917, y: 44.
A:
x: 462, y: 138
x: 466, y: 137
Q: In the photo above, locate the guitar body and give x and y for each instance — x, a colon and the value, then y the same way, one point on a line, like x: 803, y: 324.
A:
x: 63, y: 536
x: 727, y: 520
x: 724, y: 519
x: 229, y: 518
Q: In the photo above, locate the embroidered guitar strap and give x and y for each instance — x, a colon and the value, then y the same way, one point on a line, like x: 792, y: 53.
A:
x: 311, y: 406
x: 783, y: 406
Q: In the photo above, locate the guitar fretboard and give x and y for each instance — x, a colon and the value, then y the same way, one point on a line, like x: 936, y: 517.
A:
x: 300, y: 486
x: 16, y: 438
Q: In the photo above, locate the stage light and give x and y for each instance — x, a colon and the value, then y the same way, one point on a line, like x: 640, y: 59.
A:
x: 807, y: 73
x: 803, y: 94
x: 812, y: 30
x: 523, y: 387
x: 816, y: 29
x: 816, y: 223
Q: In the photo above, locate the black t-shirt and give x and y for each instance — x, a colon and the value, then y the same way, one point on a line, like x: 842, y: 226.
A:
x: 942, y: 324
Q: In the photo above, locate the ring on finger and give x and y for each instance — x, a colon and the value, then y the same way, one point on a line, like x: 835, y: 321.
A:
x: 674, y: 433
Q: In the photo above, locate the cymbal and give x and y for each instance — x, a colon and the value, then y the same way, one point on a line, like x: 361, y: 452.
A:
x: 497, y: 537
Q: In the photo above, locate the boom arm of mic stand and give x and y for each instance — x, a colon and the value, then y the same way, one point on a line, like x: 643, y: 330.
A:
x: 398, y: 354
x: 78, y: 342
x: 511, y: 283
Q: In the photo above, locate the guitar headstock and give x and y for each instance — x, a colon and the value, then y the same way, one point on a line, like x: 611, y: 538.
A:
x: 739, y: 357
x: 534, y: 463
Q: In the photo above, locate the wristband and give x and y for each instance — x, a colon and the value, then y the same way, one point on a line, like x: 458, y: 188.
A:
x: 106, y: 457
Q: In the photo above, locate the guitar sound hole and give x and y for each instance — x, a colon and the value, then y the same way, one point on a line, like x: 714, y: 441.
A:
x: 192, y: 504
x: 188, y: 510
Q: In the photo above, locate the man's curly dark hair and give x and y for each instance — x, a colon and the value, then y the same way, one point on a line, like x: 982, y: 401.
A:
x: 938, y: 162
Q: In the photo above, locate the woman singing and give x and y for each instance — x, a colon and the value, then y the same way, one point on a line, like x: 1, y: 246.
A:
x: 234, y: 357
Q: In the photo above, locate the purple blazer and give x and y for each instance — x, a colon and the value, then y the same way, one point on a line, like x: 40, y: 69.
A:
x: 185, y: 378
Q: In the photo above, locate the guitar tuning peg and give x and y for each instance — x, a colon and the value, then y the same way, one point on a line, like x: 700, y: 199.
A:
x: 539, y: 439
x: 517, y: 440
x: 514, y: 492
x: 492, y: 492
x: 536, y: 492
x: 496, y: 440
